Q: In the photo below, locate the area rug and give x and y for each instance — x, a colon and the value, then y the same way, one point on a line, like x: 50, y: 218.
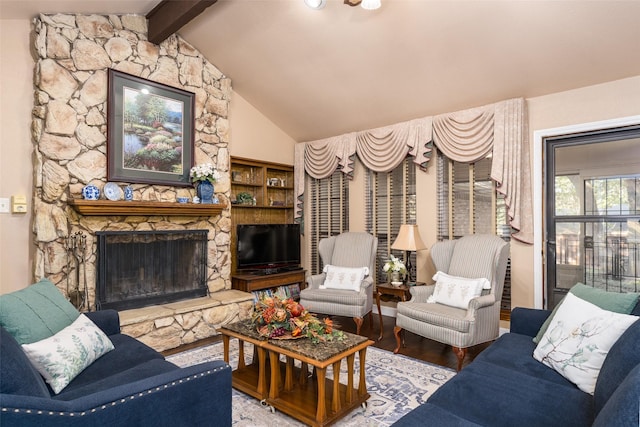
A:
x: 397, y: 384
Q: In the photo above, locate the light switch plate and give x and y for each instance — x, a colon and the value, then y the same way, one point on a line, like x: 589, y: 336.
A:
x: 4, y: 205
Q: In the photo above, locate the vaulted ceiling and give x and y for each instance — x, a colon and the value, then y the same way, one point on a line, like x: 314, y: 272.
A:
x: 319, y: 73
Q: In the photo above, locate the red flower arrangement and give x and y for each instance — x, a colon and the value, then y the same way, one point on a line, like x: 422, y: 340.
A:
x: 286, y: 319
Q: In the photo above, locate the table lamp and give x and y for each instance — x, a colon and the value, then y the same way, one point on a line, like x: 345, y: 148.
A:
x: 408, y: 239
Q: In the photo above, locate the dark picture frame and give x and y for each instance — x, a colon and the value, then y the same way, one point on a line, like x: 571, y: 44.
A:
x: 150, y: 131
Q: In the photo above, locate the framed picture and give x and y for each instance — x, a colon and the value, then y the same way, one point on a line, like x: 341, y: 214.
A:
x: 150, y: 131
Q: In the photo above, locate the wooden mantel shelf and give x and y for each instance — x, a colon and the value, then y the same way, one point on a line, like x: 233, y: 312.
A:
x: 107, y: 207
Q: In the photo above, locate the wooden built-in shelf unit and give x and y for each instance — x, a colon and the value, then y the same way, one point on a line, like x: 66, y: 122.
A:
x: 271, y: 184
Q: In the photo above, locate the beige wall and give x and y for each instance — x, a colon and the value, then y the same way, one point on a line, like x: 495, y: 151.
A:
x: 254, y: 136
x: 16, y: 168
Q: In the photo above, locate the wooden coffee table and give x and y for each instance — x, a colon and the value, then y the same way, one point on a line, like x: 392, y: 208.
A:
x: 287, y: 385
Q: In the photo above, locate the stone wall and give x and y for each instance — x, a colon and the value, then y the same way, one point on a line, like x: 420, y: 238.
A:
x: 73, y: 54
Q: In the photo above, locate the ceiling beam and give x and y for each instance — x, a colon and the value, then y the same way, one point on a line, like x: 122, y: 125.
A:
x: 170, y: 15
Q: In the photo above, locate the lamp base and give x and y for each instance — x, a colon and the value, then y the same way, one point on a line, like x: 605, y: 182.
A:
x: 407, y: 256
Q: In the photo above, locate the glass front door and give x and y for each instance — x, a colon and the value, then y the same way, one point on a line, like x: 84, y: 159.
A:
x: 592, y: 213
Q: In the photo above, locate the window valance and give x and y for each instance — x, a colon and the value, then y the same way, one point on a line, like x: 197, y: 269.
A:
x: 380, y: 149
x: 500, y: 129
x: 464, y: 136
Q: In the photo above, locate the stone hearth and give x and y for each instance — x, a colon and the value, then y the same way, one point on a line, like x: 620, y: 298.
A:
x: 171, y: 325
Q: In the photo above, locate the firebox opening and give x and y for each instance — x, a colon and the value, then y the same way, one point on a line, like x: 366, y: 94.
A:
x: 142, y: 268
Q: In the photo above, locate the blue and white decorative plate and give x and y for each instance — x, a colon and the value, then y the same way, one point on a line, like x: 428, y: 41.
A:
x: 91, y: 192
x: 113, y: 192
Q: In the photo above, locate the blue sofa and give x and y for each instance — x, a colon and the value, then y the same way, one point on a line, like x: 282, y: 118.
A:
x: 506, y: 386
x: 133, y: 385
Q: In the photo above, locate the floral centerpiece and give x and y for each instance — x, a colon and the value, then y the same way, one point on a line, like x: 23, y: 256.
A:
x: 394, y: 264
x: 204, y: 172
x: 286, y: 319
x: 395, y: 268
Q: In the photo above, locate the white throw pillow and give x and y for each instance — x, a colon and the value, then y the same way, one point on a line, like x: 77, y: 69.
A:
x: 343, y: 277
x: 456, y: 291
x: 578, y: 340
x: 447, y: 278
x: 60, y: 358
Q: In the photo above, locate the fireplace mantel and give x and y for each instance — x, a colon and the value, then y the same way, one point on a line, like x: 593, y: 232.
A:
x: 107, y: 207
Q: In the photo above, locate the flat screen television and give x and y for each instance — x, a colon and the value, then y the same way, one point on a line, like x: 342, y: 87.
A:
x: 267, y: 247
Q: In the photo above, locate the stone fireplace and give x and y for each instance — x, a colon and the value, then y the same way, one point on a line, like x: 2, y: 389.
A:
x: 69, y: 130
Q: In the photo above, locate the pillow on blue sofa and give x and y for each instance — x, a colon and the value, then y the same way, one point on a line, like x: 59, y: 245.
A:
x: 612, y: 301
x: 60, y: 358
x: 578, y: 340
x: 36, y: 312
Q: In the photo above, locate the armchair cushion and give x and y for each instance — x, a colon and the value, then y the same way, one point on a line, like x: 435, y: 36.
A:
x: 62, y: 357
x: 36, y: 312
x: 345, y: 278
x: 437, y: 315
x: 336, y: 296
x: 578, y: 340
x: 456, y: 291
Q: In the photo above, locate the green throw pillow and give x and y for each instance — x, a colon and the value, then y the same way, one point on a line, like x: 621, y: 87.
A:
x: 617, y: 302
x: 36, y: 312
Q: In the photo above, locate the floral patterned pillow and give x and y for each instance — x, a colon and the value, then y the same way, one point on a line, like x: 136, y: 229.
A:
x: 60, y: 358
x: 456, y: 291
x: 578, y: 340
x: 343, y: 277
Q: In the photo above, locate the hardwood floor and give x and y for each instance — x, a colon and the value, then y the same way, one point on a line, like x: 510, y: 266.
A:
x: 416, y: 346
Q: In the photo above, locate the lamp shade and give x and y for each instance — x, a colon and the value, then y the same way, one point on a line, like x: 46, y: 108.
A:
x: 408, y: 239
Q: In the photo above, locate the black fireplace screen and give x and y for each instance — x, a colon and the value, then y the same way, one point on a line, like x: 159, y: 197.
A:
x: 142, y: 268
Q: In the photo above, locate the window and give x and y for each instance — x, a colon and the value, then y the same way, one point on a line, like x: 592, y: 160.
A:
x: 468, y: 203
x: 329, y: 206
x: 390, y: 202
x: 597, y: 244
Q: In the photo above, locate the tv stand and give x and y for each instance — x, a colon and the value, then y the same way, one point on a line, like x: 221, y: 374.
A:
x: 254, y: 282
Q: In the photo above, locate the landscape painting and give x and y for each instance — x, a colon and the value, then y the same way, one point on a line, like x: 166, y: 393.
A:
x: 150, y: 131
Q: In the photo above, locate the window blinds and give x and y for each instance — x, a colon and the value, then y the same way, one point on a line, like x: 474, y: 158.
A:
x: 390, y: 202
x: 329, y: 212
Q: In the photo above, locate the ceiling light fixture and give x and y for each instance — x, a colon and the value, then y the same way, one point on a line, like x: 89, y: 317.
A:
x: 366, y: 4
x: 315, y: 4
x: 371, y: 4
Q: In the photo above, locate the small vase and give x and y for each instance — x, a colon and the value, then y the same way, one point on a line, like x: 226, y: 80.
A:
x: 128, y: 193
x: 205, y: 192
x: 396, y: 278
